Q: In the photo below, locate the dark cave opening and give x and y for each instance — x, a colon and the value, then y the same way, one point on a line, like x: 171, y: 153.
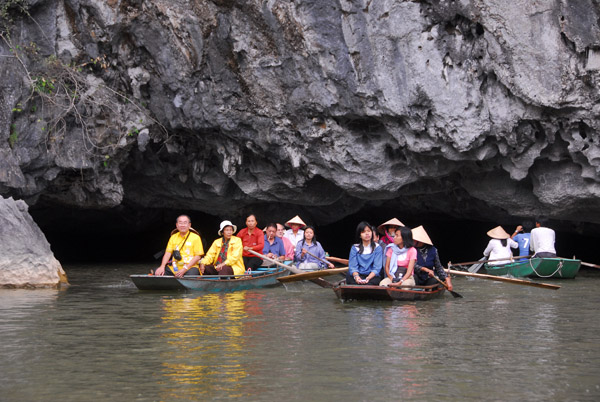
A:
x: 131, y: 235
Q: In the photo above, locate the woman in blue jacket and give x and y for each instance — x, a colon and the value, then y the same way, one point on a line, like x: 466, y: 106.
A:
x: 366, y: 258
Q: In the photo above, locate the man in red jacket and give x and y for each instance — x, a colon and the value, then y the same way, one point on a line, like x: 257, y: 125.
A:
x: 252, y: 239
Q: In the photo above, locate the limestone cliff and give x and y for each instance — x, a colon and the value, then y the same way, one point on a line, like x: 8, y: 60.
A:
x: 25, y: 256
x: 484, y: 109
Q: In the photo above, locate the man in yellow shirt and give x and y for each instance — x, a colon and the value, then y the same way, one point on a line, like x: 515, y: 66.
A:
x: 186, y: 248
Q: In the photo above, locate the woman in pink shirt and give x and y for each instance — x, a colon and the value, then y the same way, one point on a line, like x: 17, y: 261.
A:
x: 400, y: 260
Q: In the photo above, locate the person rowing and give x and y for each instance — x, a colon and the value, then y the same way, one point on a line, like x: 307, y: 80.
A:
x: 499, y: 247
x: 428, y: 262
x: 310, y: 256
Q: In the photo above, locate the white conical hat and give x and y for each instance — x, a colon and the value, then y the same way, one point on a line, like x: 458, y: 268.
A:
x: 498, y: 233
x: 296, y: 219
x: 393, y: 221
x: 419, y: 234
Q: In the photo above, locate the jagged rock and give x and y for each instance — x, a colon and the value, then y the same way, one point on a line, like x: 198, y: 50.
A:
x: 25, y: 256
x: 483, y: 109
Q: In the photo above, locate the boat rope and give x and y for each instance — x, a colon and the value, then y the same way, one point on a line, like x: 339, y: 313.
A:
x: 559, y: 268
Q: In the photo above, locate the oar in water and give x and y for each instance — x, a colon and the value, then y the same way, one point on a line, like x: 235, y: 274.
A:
x: 321, y: 282
x: 504, y: 279
x: 475, y: 268
x: 453, y: 293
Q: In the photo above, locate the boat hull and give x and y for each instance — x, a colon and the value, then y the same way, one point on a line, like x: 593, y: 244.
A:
x: 152, y: 282
x: 368, y: 292
x: 258, y: 279
x: 561, y: 268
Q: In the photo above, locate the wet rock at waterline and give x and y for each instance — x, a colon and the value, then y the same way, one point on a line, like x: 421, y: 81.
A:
x: 471, y: 109
x: 25, y: 256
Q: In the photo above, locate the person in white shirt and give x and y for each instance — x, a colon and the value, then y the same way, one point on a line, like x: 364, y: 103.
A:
x: 499, y: 247
x: 296, y: 233
x: 542, y: 240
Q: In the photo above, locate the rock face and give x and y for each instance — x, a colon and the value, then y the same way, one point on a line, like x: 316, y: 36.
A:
x: 26, y: 259
x: 482, y: 109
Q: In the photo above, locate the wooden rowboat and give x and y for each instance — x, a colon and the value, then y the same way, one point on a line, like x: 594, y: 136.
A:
x: 263, y: 277
x: 561, y: 268
x: 259, y: 278
x: 369, y: 292
x: 153, y: 282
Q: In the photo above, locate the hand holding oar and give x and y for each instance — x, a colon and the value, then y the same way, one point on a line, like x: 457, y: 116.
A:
x: 321, y: 282
x: 453, y: 293
x: 504, y: 279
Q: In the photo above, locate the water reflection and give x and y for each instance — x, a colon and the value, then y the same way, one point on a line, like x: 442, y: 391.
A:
x: 205, y: 335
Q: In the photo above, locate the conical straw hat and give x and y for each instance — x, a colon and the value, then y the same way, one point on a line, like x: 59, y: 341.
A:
x: 295, y: 219
x: 419, y: 234
x: 498, y: 233
x: 393, y: 221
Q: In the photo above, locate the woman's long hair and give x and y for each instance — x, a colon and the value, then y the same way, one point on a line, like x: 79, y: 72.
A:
x: 314, y: 239
x: 503, y: 242
x: 359, y: 229
x: 407, y: 238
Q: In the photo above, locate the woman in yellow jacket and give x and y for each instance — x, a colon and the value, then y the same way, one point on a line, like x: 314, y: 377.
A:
x: 225, y: 255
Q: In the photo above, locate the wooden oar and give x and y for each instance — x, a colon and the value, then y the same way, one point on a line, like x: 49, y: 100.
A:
x: 339, y: 260
x: 587, y: 264
x: 312, y: 274
x: 503, y: 279
x: 321, y: 282
x: 320, y: 259
x: 453, y: 293
x: 499, y: 259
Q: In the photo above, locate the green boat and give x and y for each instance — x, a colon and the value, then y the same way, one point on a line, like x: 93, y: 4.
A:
x: 561, y: 268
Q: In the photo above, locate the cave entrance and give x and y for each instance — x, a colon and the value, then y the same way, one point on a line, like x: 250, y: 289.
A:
x: 134, y: 235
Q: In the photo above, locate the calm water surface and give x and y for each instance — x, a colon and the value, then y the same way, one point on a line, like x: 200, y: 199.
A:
x: 102, y: 339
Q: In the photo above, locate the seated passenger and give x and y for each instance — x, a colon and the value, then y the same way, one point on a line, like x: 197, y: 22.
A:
x: 499, y: 247
x: 400, y: 260
x: 225, y: 254
x: 186, y: 248
x: 366, y: 258
x: 252, y: 239
x: 522, y: 236
x: 273, y: 248
x: 310, y: 256
x: 290, y: 249
x: 388, y: 230
x: 295, y: 234
x: 428, y: 262
x: 542, y: 240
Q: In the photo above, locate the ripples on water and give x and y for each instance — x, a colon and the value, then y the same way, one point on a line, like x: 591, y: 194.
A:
x: 102, y: 339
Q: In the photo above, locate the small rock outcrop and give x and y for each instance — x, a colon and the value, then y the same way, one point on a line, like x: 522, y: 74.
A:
x: 25, y: 256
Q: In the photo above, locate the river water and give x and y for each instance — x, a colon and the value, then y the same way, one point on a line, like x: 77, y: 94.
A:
x: 102, y: 339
